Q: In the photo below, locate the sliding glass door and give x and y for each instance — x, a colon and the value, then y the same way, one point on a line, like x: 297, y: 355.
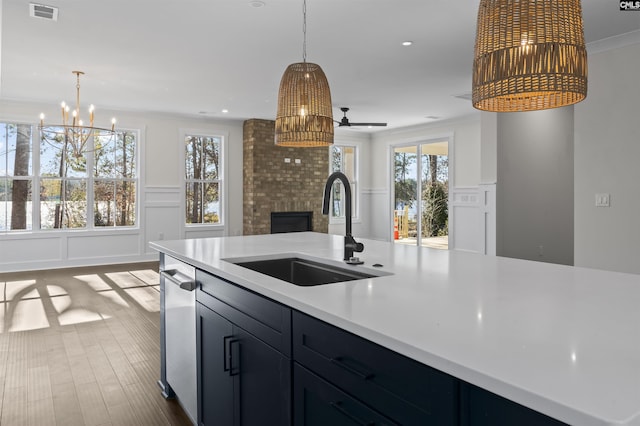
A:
x: 421, y: 189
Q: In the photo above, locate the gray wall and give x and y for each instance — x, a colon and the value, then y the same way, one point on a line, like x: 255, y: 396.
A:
x: 534, y: 191
x: 607, y: 160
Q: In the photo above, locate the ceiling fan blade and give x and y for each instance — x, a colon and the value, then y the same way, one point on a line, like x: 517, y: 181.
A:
x: 368, y: 124
x: 344, y: 122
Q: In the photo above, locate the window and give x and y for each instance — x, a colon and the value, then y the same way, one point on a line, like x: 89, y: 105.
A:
x: 16, y: 177
x: 343, y: 159
x: 203, y: 179
x: 71, y: 185
x: 114, y: 183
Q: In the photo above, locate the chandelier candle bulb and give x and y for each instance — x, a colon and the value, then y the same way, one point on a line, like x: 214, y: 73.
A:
x: 41, y: 119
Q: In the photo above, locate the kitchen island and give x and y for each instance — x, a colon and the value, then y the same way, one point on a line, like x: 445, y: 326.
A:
x: 563, y: 341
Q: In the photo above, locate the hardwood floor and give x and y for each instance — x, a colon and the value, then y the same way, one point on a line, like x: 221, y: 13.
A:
x: 81, y: 347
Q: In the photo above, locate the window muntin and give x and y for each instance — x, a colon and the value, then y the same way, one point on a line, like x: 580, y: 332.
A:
x: 203, y: 180
x: 64, y: 188
x: 343, y: 159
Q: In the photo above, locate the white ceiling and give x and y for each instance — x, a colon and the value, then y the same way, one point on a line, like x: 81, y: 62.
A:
x: 199, y: 57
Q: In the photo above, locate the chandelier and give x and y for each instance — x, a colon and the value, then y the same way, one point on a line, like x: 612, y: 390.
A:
x: 529, y: 55
x: 305, y: 115
x: 73, y: 134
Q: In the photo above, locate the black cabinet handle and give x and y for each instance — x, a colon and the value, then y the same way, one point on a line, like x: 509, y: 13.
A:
x: 231, y: 357
x: 226, y: 353
x: 338, y: 406
x: 364, y: 375
x: 234, y: 357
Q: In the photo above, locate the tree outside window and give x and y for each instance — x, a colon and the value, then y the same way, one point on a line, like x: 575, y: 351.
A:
x: 114, y: 186
x: 203, y: 182
x: 63, y: 183
x: 69, y: 187
x: 16, y: 178
x: 343, y: 159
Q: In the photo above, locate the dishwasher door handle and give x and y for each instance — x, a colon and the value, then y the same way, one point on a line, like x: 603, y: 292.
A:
x: 181, y: 280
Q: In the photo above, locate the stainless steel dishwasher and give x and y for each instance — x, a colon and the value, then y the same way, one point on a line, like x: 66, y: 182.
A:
x: 178, y: 281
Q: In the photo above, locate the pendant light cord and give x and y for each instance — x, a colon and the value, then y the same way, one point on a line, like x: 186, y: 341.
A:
x: 304, y: 31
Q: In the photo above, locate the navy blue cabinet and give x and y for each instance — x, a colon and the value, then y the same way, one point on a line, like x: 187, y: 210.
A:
x: 244, y: 378
x: 482, y: 408
x: 262, y: 363
x: 403, y: 390
x: 215, y: 380
x: 319, y: 403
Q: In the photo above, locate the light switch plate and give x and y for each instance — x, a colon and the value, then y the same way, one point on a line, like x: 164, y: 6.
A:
x: 602, y: 200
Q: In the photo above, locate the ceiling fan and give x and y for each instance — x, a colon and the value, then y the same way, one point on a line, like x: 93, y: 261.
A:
x: 346, y: 123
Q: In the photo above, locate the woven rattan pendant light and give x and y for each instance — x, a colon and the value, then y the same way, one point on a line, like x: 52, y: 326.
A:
x: 305, y: 115
x: 529, y: 55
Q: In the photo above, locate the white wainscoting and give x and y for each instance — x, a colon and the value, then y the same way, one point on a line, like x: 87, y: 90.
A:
x: 160, y: 218
x: 473, y: 217
x: 465, y: 232
x: 487, y: 205
x: 381, y: 224
x: 164, y: 217
x: 162, y: 214
x: 62, y: 249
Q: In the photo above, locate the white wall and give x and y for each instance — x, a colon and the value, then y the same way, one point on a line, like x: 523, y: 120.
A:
x: 465, y: 136
x: 607, y: 160
x: 160, y: 195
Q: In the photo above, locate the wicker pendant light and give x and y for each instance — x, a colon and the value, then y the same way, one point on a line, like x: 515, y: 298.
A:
x: 529, y: 55
x: 305, y: 115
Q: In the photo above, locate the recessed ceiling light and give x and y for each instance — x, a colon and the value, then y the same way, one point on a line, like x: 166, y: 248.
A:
x: 432, y: 117
x: 407, y: 43
x: 256, y: 3
x: 224, y: 111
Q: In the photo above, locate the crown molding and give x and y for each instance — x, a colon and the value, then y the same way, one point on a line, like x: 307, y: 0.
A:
x: 615, y: 42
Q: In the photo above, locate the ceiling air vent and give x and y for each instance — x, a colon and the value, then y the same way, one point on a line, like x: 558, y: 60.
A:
x: 43, y: 11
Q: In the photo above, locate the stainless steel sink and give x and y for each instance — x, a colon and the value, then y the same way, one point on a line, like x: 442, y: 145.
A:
x: 303, y: 272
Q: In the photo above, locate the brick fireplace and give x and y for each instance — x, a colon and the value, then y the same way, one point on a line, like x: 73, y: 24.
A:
x: 280, y: 179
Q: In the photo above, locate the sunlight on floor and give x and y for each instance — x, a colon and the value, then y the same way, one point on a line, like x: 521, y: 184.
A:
x: 41, y: 303
x: 28, y: 315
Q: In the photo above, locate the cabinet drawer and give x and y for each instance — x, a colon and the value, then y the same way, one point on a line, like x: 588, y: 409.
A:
x: 402, y: 389
x: 318, y: 403
x: 267, y: 320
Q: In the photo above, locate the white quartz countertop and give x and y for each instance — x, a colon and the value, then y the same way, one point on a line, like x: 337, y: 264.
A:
x: 564, y: 341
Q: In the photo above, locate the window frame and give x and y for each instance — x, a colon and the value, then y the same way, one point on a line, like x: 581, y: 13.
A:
x: 88, y: 179
x: 221, y: 181
x: 355, y: 183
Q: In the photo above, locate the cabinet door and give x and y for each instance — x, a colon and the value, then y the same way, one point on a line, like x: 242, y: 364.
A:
x: 318, y: 403
x: 215, y: 379
x: 264, y: 382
